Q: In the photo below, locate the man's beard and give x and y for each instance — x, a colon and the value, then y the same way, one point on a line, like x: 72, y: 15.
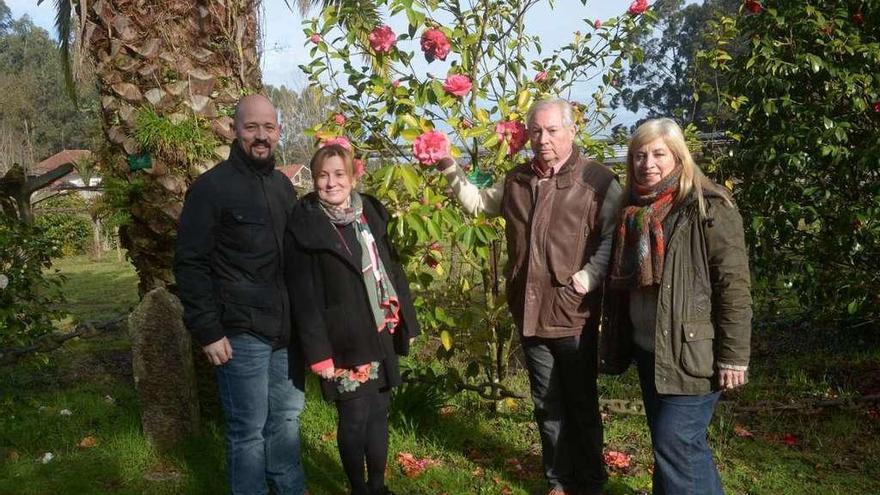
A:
x: 260, y: 161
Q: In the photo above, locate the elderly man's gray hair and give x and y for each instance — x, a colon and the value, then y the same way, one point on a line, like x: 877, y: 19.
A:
x: 563, y: 105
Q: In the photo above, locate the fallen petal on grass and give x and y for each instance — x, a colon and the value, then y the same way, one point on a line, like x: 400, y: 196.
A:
x: 413, y: 467
x: 742, y: 432
x: 88, y: 442
x: 617, y: 460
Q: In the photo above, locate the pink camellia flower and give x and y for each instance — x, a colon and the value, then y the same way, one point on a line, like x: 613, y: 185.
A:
x: 315, y: 38
x: 435, y: 44
x: 382, y: 39
x: 541, y: 76
x: 617, y: 460
x: 395, y: 83
x: 512, y: 132
x: 340, y: 140
x: 339, y: 119
x: 637, y: 7
x: 597, y: 24
x: 754, y: 6
x: 457, y: 84
x: 359, y: 168
x: 362, y: 373
x: 430, y: 147
x: 877, y: 106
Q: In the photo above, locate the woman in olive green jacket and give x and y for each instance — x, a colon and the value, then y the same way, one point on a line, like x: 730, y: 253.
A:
x: 678, y: 302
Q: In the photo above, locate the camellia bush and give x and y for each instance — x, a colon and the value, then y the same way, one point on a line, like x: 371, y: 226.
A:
x: 463, y: 75
x: 27, y: 296
x: 806, y: 102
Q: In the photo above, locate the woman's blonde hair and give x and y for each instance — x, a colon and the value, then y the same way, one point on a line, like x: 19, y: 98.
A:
x: 329, y: 151
x: 692, y: 178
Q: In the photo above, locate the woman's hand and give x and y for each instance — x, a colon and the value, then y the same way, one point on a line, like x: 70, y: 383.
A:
x: 327, y: 373
x: 730, y: 379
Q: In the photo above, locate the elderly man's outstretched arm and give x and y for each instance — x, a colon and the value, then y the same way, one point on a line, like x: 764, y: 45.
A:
x: 473, y: 199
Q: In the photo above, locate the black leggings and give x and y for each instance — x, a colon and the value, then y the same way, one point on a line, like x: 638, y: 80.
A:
x: 362, y: 435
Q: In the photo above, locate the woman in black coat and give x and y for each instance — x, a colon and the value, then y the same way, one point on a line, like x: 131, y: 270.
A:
x: 353, y: 313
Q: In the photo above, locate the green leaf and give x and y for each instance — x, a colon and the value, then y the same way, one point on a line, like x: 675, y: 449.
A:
x: 410, y: 135
x: 446, y: 340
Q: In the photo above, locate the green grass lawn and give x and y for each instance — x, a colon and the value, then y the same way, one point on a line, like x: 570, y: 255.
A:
x: 79, y: 405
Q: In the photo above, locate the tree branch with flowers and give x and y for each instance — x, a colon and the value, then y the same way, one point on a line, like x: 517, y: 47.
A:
x: 482, y: 70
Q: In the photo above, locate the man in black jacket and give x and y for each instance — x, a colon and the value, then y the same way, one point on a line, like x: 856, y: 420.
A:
x: 229, y: 270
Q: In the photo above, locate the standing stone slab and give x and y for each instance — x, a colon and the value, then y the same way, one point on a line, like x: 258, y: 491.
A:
x: 163, y: 369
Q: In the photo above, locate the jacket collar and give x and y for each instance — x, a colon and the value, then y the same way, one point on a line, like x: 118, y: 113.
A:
x: 312, y: 229
x: 564, y: 177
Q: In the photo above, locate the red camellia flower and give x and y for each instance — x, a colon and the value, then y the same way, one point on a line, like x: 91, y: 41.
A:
x: 435, y: 44
x: 430, y: 147
x: 457, y: 84
x: 637, y: 7
x: 754, y: 6
x: 541, y: 76
x: 382, y: 39
x: 315, y: 38
x: 877, y: 106
x: 597, y: 23
x: 339, y: 119
x: 616, y: 460
x: 789, y: 439
x: 431, y: 261
x: 340, y: 140
x: 858, y: 18
x: 512, y: 132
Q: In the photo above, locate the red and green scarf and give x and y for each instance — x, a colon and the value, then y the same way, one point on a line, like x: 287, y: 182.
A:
x: 640, y: 243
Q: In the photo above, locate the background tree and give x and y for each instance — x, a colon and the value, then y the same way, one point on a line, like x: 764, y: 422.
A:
x: 668, y: 81
x: 298, y: 111
x: 37, y: 119
x: 806, y: 123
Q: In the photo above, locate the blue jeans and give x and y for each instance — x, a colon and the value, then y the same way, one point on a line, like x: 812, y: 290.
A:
x: 562, y: 376
x: 262, y: 410
x: 683, y: 462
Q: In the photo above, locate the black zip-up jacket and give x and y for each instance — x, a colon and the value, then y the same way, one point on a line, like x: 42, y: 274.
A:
x: 228, y: 260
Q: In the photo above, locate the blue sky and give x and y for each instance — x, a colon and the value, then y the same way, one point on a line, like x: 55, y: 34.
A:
x: 284, y: 42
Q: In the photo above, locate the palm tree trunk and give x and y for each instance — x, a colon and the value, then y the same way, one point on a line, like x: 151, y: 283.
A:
x: 184, y: 61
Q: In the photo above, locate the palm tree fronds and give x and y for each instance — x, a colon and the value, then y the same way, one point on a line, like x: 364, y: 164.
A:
x: 63, y: 25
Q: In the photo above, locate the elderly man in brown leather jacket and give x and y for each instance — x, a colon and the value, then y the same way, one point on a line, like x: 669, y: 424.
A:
x: 560, y: 210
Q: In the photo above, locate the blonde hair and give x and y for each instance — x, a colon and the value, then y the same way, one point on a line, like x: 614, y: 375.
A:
x: 692, y: 178
x: 329, y: 151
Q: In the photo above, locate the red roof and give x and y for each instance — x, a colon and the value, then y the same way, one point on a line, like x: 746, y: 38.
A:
x: 290, y: 170
x: 58, y: 159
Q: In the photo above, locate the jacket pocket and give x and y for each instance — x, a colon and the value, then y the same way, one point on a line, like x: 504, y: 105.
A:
x: 250, y: 307
x: 697, y: 350
x: 568, y: 309
x: 243, y: 225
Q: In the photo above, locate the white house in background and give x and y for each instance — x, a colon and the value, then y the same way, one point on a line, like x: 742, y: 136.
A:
x: 68, y: 182
x: 300, y: 175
